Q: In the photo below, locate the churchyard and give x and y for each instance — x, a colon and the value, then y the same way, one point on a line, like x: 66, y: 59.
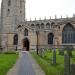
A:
x: 56, y: 61
x: 7, y: 60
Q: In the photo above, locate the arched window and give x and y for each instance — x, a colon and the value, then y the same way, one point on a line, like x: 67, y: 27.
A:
x: 8, y: 12
x: 26, y: 32
x: 15, y: 39
x: 48, y: 25
x: 68, y: 34
x: 50, y: 38
x: 32, y: 25
x: 42, y: 25
x: 52, y: 24
x: 37, y: 26
x: 9, y: 2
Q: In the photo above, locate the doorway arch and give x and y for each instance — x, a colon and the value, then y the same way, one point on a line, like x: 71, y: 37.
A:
x: 26, y: 44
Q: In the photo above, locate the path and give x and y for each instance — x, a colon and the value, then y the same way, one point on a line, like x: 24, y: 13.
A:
x: 26, y: 65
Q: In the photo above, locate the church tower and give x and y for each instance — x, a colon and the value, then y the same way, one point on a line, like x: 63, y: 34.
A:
x: 12, y: 13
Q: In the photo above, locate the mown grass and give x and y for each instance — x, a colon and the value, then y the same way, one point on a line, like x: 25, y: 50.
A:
x: 7, y: 60
x: 46, y: 62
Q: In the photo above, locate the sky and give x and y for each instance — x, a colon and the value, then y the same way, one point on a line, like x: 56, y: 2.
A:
x: 47, y: 8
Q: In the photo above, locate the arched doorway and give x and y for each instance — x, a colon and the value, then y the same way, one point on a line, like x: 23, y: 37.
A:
x: 26, y: 44
x: 68, y: 34
x: 50, y: 38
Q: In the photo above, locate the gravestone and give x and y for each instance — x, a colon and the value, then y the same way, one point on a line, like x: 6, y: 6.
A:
x: 54, y: 56
x: 41, y: 52
x: 61, y: 50
x: 66, y: 64
x: 69, y: 49
x: 72, y: 69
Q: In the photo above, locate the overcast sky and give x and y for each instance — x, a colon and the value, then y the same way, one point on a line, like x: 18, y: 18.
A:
x: 42, y: 8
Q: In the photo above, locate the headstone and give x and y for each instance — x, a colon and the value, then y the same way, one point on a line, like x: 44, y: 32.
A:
x: 72, y: 69
x: 54, y: 56
x: 69, y: 49
x: 66, y: 64
x: 61, y: 52
x: 41, y: 52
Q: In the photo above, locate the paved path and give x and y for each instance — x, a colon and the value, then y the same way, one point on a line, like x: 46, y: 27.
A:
x: 26, y: 65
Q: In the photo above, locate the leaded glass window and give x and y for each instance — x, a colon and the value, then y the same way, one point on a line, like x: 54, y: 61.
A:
x: 68, y: 34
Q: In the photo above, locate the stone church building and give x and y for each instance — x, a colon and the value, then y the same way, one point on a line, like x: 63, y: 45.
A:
x: 16, y: 32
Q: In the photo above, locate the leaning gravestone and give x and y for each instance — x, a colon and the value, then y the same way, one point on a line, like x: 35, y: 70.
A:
x: 66, y: 64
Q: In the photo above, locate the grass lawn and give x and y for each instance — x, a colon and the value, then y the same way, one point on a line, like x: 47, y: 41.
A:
x: 6, y: 62
x: 46, y: 63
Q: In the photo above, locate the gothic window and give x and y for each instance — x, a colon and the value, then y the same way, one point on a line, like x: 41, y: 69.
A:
x: 26, y: 32
x: 52, y: 24
x: 8, y: 12
x: 50, y: 38
x: 68, y: 34
x: 32, y: 25
x: 9, y: 2
x: 15, y: 39
x: 48, y: 25
x: 37, y: 26
x: 42, y: 26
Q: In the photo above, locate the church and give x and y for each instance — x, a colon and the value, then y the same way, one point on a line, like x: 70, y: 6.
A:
x: 18, y: 33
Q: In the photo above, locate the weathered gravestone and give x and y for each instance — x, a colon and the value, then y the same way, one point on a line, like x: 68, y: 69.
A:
x: 54, y: 56
x: 72, y: 69
x: 66, y: 64
x: 61, y: 51
x: 69, y: 49
x: 41, y: 52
